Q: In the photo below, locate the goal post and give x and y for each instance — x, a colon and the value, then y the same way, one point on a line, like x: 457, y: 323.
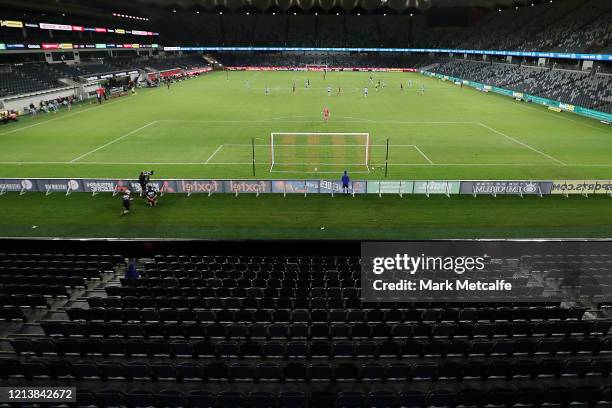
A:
x: 319, y: 151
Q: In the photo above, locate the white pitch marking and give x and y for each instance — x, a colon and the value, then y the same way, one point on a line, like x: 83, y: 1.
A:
x: 213, y: 154
x: 423, y: 154
x: 521, y: 143
x: 113, y: 141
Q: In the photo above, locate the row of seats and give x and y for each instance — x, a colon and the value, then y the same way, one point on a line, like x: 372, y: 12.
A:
x: 222, y: 292
x: 520, y: 293
x: 23, y: 300
x: 71, y: 281
x: 243, y: 271
x: 467, y: 397
x: 87, y: 273
x: 65, y: 258
x: 295, y: 371
x: 251, y: 310
x: 320, y: 284
x: 11, y: 313
x: 207, y: 329
x: 448, y: 310
x: 246, y: 259
x: 314, y: 349
x: 34, y: 289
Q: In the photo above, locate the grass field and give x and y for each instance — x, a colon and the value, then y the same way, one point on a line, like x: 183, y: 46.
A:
x: 203, y: 128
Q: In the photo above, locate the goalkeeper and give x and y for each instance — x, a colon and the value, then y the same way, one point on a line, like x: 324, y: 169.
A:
x: 345, y: 182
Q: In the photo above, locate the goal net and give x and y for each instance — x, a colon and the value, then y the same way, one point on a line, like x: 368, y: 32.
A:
x: 319, y: 152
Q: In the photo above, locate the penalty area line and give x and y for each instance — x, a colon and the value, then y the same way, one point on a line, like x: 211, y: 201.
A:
x: 213, y: 154
x: 522, y: 143
x: 113, y: 141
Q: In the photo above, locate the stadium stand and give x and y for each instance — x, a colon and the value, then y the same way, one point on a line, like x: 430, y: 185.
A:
x: 568, y: 26
x: 291, y: 331
x: 583, y: 88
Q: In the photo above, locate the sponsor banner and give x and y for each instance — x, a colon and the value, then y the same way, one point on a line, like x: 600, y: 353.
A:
x: 505, y: 187
x: 47, y: 46
x: 390, y: 187
x: 199, y: 186
x: 567, y: 107
x: 581, y: 187
x: 2, y: 46
x: 106, y: 186
x: 17, y: 185
x: 57, y: 27
x: 436, y: 187
x: 65, y: 46
x: 295, y: 186
x: 327, y: 186
x: 11, y: 24
x: 59, y: 185
x: 247, y: 186
x: 100, y: 30
x: 330, y: 69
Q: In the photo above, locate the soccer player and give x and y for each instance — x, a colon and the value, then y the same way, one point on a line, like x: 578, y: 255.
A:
x: 410, y: 83
x: 248, y: 84
x: 329, y: 89
x: 151, y: 195
x: 307, y: 83
x: 125, y: 202
x: 168, y: 83
x: 422, y: 89
x: 293, y: 87
x: 100, y: 94
x: 365, y: 92
x: 377, y: 85
x: 401, y: 86
x: 345, y: 182
x: 325, y: 114
x: 267, y: 90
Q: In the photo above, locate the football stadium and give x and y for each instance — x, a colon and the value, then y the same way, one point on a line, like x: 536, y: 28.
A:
x: 306, y: 203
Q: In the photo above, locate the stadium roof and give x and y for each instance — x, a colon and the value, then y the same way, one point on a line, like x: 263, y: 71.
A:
x: 398, y: 5
x: 152, y: 8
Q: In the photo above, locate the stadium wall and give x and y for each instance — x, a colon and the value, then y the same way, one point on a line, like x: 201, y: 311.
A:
x: 267, y: 186
x: 566, y: 107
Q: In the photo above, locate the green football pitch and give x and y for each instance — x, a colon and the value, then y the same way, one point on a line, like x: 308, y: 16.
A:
x: 205, y: 127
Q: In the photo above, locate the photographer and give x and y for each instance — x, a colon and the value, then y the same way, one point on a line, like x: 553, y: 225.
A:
x: 143, y: 180
x: 151, y: 195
